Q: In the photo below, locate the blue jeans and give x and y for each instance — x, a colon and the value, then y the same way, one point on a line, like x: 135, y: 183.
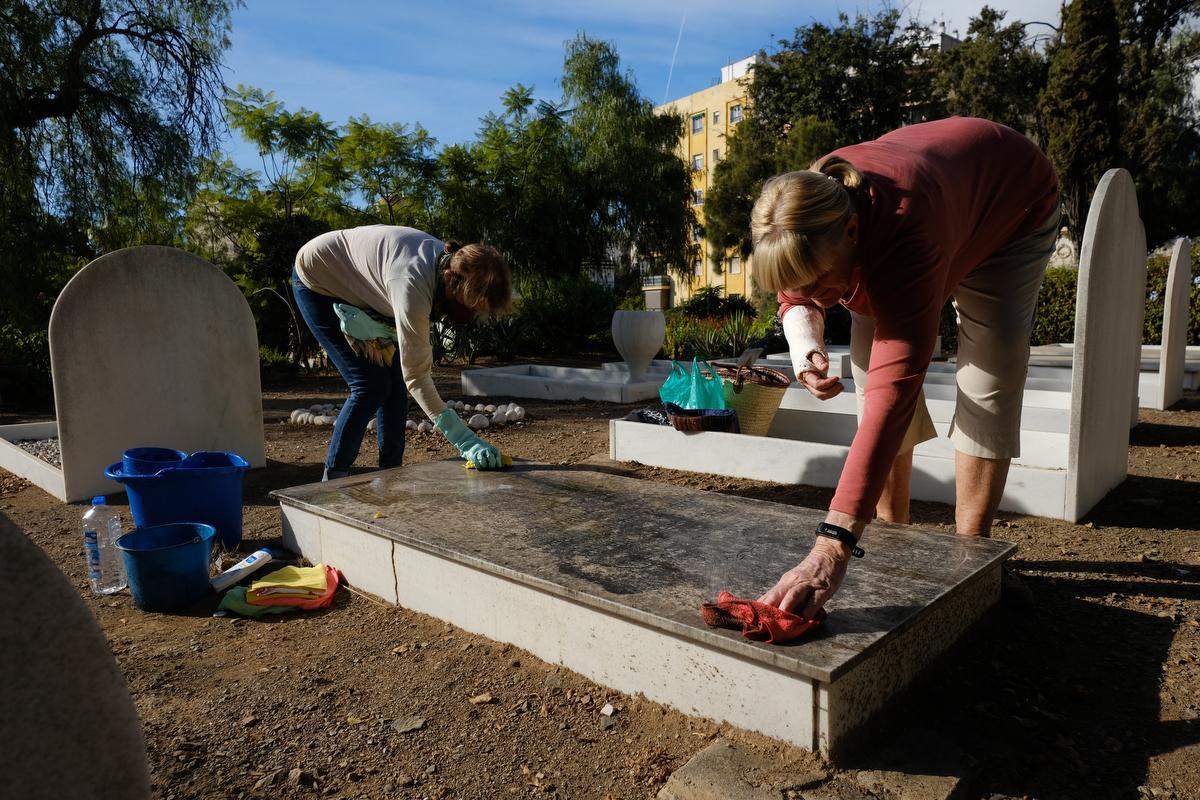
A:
x: 374, y: 390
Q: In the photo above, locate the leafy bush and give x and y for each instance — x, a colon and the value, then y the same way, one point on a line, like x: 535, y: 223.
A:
x: 1156, y: 297
x: 272, y: 360
x: 707, y: 303
x: 1054, y: 317
x: 712, y: 337
x: 564, y: 316
x: 559, y: 317
x: 24, y: 366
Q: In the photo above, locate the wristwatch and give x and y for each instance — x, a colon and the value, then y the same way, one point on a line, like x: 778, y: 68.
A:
x: 842, y: 535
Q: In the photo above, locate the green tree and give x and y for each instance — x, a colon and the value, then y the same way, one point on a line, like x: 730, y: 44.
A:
x: 293, y: 146
x: 98, y: 94
x: 1080, y: 104
x: 549, y: 184
x: 1160, y: 129
x: 392, y: 169
x: 867, y: 76
x: 615, y: 135
x: 753, y: 156
x: 103, y: 106
x: 827, y: 86
x: 995, y: 73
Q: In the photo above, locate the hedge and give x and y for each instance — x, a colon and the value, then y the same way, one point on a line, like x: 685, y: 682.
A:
x: 1054, y: 318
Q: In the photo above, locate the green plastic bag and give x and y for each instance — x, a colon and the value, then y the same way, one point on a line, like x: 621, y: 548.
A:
x: 695, y: 390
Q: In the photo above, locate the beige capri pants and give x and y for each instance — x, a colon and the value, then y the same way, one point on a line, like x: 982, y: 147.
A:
x: 995, y: 304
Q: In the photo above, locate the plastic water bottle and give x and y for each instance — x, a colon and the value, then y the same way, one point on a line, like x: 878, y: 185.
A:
x: 101, y: 527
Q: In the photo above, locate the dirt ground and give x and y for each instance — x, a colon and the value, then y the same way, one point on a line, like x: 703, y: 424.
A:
x: 1086, y: 689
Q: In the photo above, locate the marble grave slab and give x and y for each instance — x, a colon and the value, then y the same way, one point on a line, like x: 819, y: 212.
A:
x: 605, y: 574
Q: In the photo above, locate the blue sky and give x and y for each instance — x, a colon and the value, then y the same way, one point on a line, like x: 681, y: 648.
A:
x: 446, y: 64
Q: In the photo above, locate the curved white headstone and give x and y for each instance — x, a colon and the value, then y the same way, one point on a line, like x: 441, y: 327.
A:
x: 1175, y: 325
x: 152, y: 346
x: 1110, y: 305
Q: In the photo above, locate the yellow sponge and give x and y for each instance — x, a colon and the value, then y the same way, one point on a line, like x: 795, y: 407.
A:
x: 505, y: 461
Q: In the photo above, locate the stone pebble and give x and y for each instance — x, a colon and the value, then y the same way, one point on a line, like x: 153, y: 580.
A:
x: 45, y: 449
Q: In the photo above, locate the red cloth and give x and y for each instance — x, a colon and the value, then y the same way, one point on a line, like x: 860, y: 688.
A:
x: 943, y: 197
x: 758, y: 621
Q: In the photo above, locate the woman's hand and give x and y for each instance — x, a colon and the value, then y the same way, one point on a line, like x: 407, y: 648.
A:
x: 805, y: 588
x: 816, y: 381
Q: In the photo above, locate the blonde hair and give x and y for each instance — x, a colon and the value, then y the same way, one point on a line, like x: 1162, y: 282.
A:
x: 479, y: 276
x: 797, y: 217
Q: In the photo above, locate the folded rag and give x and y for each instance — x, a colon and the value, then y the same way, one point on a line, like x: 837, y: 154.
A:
x: 758, y: 621
x: 238, y: 601
x: 290, y: 582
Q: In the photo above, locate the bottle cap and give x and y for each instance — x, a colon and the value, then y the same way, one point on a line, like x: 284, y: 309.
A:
x: 99, y: 500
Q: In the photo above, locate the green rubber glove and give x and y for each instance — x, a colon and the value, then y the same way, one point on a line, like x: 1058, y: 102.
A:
x: 360, y: 325
x: 469, y: 446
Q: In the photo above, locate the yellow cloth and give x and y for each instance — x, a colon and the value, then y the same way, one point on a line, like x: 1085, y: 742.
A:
x: 290, y: 582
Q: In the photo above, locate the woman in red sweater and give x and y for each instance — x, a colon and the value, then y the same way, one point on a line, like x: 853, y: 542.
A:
x: 891, y: 229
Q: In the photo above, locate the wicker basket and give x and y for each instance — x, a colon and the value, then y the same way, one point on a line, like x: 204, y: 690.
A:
x: 755, y: 392
x: 723, y: 420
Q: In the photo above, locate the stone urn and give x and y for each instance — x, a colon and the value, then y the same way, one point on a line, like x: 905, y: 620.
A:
x: 638, y: 336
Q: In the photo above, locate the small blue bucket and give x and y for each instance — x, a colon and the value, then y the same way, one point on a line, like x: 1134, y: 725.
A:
x: 168, y: 565
x: 203, y: 487
x: 150, y: 460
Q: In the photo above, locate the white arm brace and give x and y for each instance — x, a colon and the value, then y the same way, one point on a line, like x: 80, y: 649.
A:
x: 804, y: 329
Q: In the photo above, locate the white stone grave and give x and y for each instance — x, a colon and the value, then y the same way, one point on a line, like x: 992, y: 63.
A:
x: 606, y: 574
x: 149, y: 346
x: 1173, y: 353
x: 545, y: 382
x: 1073, y: 443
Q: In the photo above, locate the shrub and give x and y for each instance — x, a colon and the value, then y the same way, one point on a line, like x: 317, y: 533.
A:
x: 707, y: 303
x: 1156, y: 298
x: 1054, y: 317
x: 273, y: 360
x: 559, y: 317
x: 564, y: 316
x: 711, y: 337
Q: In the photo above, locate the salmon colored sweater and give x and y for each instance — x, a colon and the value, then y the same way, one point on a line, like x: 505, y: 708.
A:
x: 940, y: 198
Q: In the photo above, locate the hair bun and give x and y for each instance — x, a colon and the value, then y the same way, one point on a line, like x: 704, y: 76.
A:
x: 452, y: 245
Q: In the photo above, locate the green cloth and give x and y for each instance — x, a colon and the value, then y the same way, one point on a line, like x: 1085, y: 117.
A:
x: 235, y: 601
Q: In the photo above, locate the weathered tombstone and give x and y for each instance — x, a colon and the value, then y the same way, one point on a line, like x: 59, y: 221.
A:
x: 152, y: 346
x: 1108, y: 336
x: 1173, y: 351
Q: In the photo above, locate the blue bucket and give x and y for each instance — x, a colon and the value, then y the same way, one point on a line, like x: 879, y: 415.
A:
x: 149, y: 460
x: 204, y: 487
x: 168, y: 565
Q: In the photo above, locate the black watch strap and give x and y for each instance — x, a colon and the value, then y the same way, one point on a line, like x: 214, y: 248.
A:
x: 842, y: 535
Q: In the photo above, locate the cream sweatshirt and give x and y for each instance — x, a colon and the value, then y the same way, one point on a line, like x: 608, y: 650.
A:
x: 391, y: 270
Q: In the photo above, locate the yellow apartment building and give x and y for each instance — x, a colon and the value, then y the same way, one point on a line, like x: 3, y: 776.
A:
x: 710, y: 115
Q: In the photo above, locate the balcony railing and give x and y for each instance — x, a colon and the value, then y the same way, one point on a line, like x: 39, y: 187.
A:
x: 650, y: 281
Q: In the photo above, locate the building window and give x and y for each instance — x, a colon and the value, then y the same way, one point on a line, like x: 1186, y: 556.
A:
x: 735, y: 114
x: 716, y: 156
x: 698, y: 123
x: 697, y: 197
x: 735, y: 265
x: 698, y: 268
x: 698, y: 162
x: 697, y: 233
x: 716, y: 118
